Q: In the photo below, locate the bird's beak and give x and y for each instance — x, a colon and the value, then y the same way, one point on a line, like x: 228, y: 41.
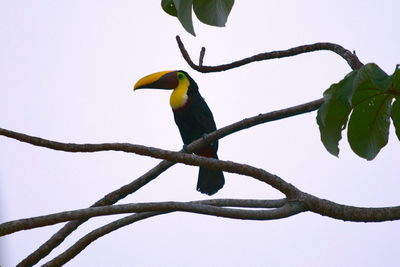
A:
x: 158, y: 80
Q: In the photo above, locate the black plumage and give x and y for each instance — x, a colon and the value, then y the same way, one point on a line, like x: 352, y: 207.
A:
x: 194, y: 119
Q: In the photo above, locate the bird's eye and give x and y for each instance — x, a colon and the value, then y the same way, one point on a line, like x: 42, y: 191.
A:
x: 181, y: 76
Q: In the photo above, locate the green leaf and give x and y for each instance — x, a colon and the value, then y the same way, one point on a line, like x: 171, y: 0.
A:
x: 332, y: 115
x: 396, y: 79
x: 370, y: 80
x: 396, y: 116
x: 169, y: 7
x: 368, y: 94
x: 369, y: 125
x: 213, y: 12
x: 370, y: 120
x: 184, y: 13
x: 396, y: 105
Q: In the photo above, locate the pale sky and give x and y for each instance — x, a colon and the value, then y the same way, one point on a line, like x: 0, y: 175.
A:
x: 67, y: 69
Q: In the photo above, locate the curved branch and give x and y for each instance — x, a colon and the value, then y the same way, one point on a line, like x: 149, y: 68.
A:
x: 350, y: 58
x: 215, y: 207
x: 290, y: 208
x: 349, y: 213
x: 287, y: 210
x: 143, y: 150
x: 189, y: 159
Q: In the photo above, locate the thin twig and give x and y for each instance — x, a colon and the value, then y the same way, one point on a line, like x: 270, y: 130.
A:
x: 350, y: 57
x: 202, y: 54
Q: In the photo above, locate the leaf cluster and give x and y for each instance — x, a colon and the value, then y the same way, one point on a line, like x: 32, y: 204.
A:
x: 363, y: 101
x: 211, y: 12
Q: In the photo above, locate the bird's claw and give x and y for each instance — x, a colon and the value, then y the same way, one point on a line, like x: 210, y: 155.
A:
x: 184, y: 148
x: 205, y: 138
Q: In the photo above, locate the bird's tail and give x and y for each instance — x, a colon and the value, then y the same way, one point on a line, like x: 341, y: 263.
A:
x: 209, y: 181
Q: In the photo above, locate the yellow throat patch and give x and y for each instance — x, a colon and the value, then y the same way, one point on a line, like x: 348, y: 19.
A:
x: 179, y: 95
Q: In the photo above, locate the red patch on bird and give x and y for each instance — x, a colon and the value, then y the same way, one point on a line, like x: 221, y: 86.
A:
x: 208, y: 152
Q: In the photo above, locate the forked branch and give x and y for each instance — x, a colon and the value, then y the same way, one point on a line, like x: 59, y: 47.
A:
x: 350, y: 57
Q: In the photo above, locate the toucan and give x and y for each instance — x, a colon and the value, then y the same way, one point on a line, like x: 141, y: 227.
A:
x: 193, y: 118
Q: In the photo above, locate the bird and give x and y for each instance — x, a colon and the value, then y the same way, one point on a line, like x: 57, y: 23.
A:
x: 193, y: 118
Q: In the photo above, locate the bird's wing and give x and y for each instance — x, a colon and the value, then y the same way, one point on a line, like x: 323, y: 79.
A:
x: 203, y: 115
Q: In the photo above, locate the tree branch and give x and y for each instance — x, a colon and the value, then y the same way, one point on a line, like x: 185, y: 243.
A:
x: 172, y: 156
x: 282, y: 212
x: 132, y: 187
x: 216, y: 207
x: 350, y: 57
x: 349, y: 213
x: 143, y: 150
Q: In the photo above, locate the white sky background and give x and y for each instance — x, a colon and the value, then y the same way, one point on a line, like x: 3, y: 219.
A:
x: 66, y: 73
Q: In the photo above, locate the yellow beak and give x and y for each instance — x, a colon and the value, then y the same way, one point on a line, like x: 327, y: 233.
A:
x: 159, y: 80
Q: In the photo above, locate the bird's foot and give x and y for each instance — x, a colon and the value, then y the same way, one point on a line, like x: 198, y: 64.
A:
x: 184, y: 148
x: 205, y: 138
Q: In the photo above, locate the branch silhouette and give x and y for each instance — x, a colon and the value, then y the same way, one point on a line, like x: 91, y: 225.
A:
x: 282, y: 212
x: 266, y: 210
x: 289, y: 209
x: 217, y: 207
x: 142, y: 150
x: 351, y: 58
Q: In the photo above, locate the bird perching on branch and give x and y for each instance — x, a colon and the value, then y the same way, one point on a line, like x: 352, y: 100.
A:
x: 193, y: 117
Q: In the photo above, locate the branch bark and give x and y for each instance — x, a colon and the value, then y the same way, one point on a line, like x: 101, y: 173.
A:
x: 216, y: 207
x: 267, y: 210
x: 349, y: 213
x: 351, y: 58
x: 142, y: 150
x: 281, y: 212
